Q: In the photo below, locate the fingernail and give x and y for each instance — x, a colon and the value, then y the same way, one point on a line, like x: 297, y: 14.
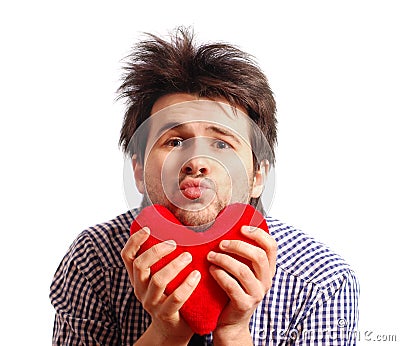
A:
x: 211, y: 254
x: 186, y: 257
x: 224, y: 244
x: 170, y: 243
x: 145, y: 230
x: 249, y: 229
x: 194, y: 276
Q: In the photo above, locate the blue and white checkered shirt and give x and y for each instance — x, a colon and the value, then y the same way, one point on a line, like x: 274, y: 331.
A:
x: 313, y: 299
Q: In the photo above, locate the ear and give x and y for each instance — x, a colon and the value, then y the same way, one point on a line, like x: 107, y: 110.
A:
x: 259, y: 178
x: 138, y: 173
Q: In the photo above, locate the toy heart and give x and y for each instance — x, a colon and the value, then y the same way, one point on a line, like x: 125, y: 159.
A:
x: 202, y: 309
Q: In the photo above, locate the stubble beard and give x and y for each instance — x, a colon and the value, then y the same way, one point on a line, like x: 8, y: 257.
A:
x: 198, y: 218
x: 202, y: 218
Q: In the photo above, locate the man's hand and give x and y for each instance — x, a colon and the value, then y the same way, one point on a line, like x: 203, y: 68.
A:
x: 167, y: 326
x: 245, y: 287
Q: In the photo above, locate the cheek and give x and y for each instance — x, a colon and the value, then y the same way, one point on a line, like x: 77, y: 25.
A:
x: 239, y: 166
x: 162, y: 172
x: 156, y: 158
x: 247, y: 160
x: 153, y: 167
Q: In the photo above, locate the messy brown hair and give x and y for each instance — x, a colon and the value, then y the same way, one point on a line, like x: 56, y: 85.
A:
x: 158, y: 67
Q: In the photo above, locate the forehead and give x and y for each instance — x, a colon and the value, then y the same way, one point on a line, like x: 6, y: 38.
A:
x: 171, y: 99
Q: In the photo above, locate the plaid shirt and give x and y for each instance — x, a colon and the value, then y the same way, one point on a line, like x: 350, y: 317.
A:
x: 313, y: 299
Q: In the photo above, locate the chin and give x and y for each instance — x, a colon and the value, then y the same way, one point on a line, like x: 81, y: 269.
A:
x: 197, y: 217
x: 192, y: 215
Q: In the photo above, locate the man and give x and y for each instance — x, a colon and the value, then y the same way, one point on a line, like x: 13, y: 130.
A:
x: 200, y: 127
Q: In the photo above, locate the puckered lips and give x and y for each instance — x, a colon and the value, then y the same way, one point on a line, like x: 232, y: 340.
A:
x: 194, y: 188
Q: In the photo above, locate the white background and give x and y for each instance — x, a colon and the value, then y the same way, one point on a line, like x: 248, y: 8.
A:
x: 333, y: 66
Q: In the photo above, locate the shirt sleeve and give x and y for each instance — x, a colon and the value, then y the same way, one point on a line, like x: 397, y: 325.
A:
x: 332, y: 320
x: 79, y: 296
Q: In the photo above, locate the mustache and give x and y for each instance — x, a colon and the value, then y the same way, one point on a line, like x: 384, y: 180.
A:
x: 193, y: 176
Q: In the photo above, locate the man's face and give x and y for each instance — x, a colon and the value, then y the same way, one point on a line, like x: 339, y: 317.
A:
x: 198, y: 158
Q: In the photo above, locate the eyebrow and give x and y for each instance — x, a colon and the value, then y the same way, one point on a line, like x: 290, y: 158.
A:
x: 168, y: 126
x: 224, y: 132
x: 213, y: 128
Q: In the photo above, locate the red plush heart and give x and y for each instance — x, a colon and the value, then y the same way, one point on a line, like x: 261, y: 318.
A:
x: 202, y: 309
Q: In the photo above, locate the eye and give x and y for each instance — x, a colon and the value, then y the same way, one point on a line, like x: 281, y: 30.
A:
x: 175, y: 142
x: 222, y: 145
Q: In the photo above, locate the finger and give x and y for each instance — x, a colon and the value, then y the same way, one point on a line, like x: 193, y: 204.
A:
x: 133, y: 244
x: 265, y: 241
x: 131, y: 248
x: 256, y: 255
x: 240, y: 271
x: 143, y: 263
x: 164, y: 276
x: 177, y: 298
x: 260, y: 236
x: 231, y: 287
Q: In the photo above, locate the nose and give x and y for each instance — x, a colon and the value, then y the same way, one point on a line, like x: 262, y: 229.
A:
x: 196, y: 156
x: 196, y: 165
